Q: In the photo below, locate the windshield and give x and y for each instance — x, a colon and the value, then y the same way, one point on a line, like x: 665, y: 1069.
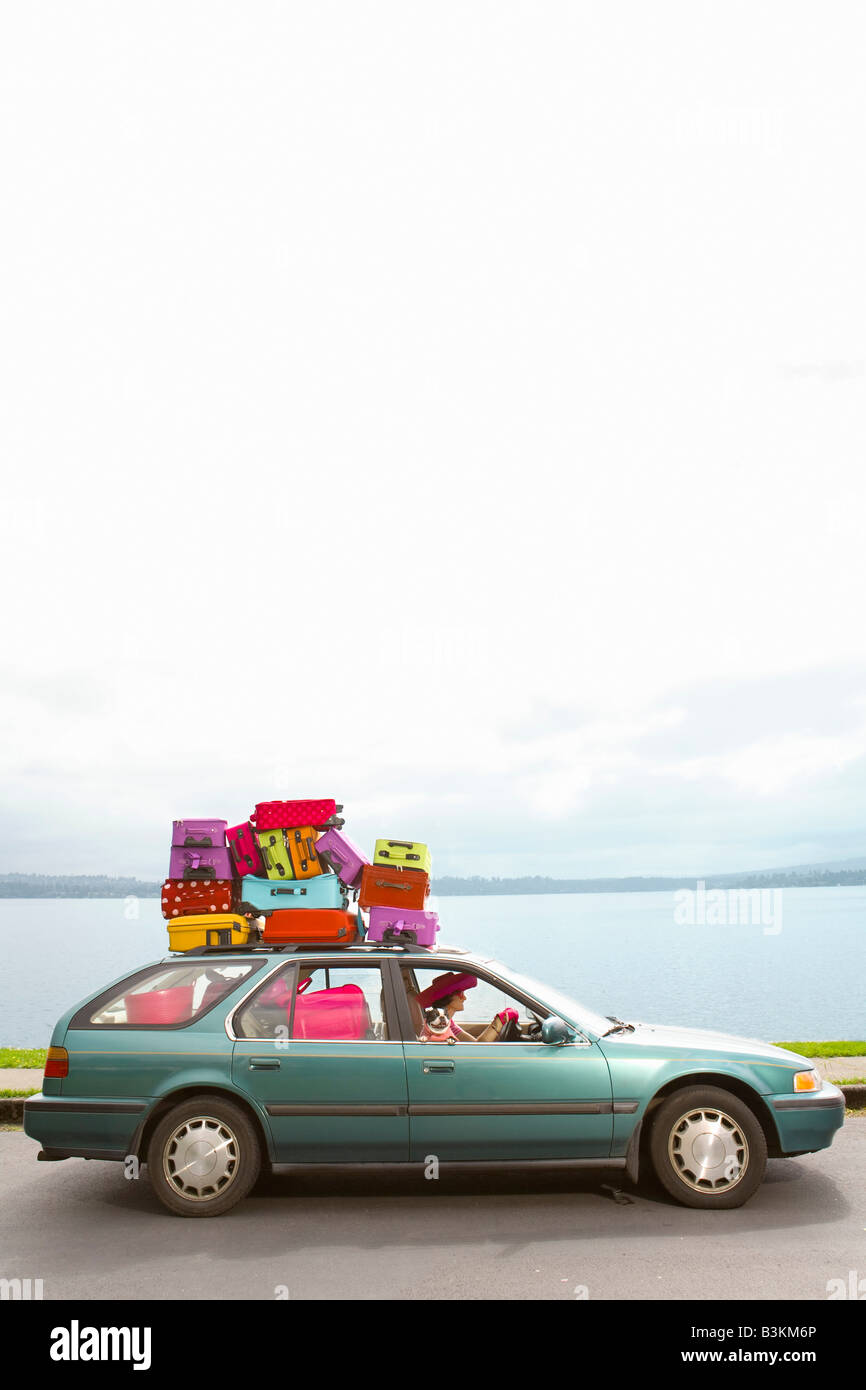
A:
x: 558, y: 1002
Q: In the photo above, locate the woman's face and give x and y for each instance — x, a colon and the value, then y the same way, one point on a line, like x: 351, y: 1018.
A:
x: 455, y: 1004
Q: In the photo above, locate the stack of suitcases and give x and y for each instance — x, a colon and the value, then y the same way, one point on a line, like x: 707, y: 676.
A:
x: 394, y: 889
x: 289, y: 875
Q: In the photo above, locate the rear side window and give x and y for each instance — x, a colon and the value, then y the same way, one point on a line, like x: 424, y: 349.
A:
x: 167, y: 996
x: 333, y: 1003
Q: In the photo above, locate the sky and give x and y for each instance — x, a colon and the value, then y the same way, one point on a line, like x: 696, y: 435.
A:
x: 454, y: 409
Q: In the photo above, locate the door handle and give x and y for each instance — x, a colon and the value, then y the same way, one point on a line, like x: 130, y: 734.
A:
x: 437, y: 1066
x: 264, y: 1064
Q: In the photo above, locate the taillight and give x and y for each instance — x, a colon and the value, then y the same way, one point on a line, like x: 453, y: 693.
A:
x: 57, y: 1062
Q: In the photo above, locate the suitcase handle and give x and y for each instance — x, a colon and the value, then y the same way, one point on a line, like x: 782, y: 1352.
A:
x: 204, y: 843
x: 399, y: 933
x: 239, y: 856
x: 403, y: 844
x: 203, y: 871
x: 270, y: 860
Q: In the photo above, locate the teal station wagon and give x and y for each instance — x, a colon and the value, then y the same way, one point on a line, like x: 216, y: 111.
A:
x: 211, y: 1066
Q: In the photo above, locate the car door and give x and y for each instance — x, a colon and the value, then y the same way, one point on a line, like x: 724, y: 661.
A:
x: 319, y: 1048
x: 517, y: 1101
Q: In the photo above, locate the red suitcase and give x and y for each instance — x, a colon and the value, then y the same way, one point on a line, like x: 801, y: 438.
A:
x: 285, y: 815
x: 386, y: 886
x: 326, y: 926
x: 189, y: 897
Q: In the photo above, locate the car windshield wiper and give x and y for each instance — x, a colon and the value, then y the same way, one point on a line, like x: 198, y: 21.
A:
x: 619, y: 1027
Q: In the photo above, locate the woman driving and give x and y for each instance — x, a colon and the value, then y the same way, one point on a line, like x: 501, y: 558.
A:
x: 446, y: 997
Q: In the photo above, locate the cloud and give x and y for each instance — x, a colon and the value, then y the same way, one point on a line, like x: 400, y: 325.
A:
x: 360, y: 437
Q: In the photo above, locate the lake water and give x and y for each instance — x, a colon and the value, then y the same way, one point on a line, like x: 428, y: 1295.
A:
x: 619, y: 953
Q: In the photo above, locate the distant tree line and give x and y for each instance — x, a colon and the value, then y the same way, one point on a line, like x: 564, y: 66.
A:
x: 75, y: 886
x: 812, y: 878
x: 102, y: 886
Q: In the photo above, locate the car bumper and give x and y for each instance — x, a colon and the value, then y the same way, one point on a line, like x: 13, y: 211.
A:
x: 807, y: 1120
x: 82, y: 1128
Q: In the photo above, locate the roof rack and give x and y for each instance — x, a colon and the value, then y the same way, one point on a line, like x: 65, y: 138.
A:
x: 275, y: 948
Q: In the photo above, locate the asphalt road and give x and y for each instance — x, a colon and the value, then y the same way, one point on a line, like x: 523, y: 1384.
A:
x: 387, y: 1233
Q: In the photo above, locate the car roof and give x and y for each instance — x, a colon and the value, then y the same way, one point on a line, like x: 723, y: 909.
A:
x: 358, y: 950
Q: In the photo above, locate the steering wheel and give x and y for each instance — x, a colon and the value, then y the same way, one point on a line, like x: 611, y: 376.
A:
x: 533, y: 1032
x: 509, y: 1032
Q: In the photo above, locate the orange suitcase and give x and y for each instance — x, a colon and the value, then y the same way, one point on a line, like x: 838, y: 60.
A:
x: 386, y: 886
x: 326, y: 926
x: 301, y: 847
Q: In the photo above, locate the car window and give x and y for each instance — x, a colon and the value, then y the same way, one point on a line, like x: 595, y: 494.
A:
x: 570, y: 1008
x: 333, y: 1003
x: 481, y: 1004
x: 169, y: 995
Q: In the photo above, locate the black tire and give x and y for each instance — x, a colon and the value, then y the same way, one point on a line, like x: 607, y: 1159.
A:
x: 220, y: 1139
x: 710, y: 1126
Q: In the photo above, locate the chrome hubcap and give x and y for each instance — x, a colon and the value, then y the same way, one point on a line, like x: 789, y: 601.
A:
x: 708, y: 1150
x: 201, y: 1158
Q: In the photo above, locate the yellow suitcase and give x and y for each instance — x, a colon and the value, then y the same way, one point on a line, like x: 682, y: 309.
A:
x: 213, y: 929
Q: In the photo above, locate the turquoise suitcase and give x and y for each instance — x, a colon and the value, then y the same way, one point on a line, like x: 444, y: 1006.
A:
x: 265, y: 895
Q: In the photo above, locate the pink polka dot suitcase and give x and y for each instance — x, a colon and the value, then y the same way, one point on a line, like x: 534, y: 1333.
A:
x: 287, y: 815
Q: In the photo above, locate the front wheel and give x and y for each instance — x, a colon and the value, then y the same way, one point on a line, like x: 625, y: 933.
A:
x: 707, y: 1148
x: 203, y: 1157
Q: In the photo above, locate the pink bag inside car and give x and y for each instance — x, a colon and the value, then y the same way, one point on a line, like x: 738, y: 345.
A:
x: 333, y: 1015
x: 160, y: 1005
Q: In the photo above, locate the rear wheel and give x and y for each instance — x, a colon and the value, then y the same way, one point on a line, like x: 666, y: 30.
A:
x: 203, y: 1157
x: 708, y: 1148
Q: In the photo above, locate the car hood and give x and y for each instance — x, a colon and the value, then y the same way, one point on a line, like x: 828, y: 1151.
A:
x: 703, y: 1040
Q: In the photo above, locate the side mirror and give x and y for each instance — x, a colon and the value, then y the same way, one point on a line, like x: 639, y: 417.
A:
x: 556, y: 1031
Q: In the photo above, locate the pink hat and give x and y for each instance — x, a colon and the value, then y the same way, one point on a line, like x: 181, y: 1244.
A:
x: 445, y: 984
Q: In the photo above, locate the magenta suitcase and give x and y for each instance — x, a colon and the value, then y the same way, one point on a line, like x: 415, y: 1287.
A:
x: 342, y: 856
x: 207, y: 833
x: 402, y: 926
x: 244, y: 851
x: 294, y: 815
x: 188, y: 863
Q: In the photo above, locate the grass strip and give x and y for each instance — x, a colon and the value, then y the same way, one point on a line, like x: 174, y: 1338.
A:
x: 22, y: 1056
x: 826, y: 1049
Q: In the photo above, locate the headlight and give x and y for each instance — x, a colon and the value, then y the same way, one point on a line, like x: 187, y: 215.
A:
x: 808, y: 1080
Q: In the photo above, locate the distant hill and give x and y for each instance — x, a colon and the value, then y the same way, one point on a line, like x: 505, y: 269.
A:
x: 810, y: 876
x: 778, y: 878
x: 75, y: 886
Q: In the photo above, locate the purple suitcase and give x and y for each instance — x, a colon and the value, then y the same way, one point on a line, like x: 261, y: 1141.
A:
x: 342, y: 856
x: 209, y: 833
x: 402, y: 926
x: 188, y: 862
x: 244, y: 850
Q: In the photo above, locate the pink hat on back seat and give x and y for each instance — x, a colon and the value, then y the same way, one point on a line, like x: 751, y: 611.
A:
x: 443, y: 985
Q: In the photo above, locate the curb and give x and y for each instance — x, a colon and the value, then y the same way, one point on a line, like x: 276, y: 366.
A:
x: 12, y: 1110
